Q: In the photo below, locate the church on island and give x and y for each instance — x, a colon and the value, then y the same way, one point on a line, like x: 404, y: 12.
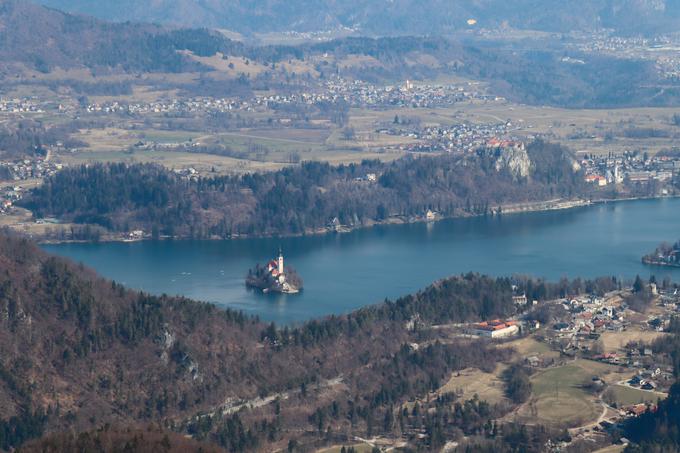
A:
x: 273, y: 278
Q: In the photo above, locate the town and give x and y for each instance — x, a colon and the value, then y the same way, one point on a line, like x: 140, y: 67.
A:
x: 604, y: 352
x: 463, y: 138
x: 662, y: 49
x: 633, y: 168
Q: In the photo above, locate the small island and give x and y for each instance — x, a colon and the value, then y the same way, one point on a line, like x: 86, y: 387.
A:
x: 664, y: 255
x: 273, y: 278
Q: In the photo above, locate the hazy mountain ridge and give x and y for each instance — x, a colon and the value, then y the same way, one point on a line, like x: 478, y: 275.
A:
x: 44, y: 38
x: 389, y: 17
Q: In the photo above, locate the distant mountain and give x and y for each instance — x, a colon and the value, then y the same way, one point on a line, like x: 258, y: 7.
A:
x: 389, y: 17
x: 42, y: 38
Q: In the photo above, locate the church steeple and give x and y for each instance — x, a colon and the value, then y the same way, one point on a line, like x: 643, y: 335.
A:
x: 280, y: 269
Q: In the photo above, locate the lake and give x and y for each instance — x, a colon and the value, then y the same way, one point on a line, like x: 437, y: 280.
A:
x: 343, y: 272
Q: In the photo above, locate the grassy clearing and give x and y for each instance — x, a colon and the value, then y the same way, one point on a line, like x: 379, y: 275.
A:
x: 248, y: 141
x: 625, y: 396
x: 597, y: 368
x: 302, y: 136
x: 263, y: 149
x: 559, y: 398
x: 115, y: 139
x: 471, y: 381
x: 362, y: 61
x: 528, y: 346
x: 612, y: 449
x: 348, y: 156
x: 204, y: 163
x: 108, y: 139
x: 609, y: 373
x: 614, y: 341
x: 167, y: 136
x: 234, y: 66
x: 21, y: 220
x: 359, y: 448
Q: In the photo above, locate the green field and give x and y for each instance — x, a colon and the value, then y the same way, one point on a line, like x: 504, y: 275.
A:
x: 529, y: 346
x: 625, y: 396
x: 471, y: 381
x: 204, y: 163
x: 558, y: 397
x: 244, y: 142
x: 612, y: 449
x: 167, y: 136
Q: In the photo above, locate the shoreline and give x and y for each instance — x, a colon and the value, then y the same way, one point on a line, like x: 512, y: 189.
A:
x: 508, y: 209
x: 647, y: 262
x: 660, y: 264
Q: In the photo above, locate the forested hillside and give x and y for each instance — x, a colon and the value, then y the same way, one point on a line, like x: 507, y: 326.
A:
x: 118, y: 440
x: 306, y: 198
x: 45, y: 39
x: 78, y: 352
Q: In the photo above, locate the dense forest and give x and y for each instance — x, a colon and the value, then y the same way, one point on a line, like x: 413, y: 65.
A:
x: 29, y: 138
x: 119, y: 440
x: 78, y: 352
x: 308, y: 198
x: 659, y: 431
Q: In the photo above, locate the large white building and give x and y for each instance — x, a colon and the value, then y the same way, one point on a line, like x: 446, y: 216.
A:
x: 495, y: 329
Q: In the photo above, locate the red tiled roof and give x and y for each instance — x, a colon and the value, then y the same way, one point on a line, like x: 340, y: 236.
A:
x: 494, y: 325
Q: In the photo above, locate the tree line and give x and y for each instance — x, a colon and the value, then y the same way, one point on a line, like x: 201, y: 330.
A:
x: 301, y: 199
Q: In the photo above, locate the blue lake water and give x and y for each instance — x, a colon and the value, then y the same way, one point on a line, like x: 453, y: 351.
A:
x: 343, y: 272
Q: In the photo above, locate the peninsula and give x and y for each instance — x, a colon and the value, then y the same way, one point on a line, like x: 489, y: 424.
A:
x: 664, y: 255
x: 273, y: 278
